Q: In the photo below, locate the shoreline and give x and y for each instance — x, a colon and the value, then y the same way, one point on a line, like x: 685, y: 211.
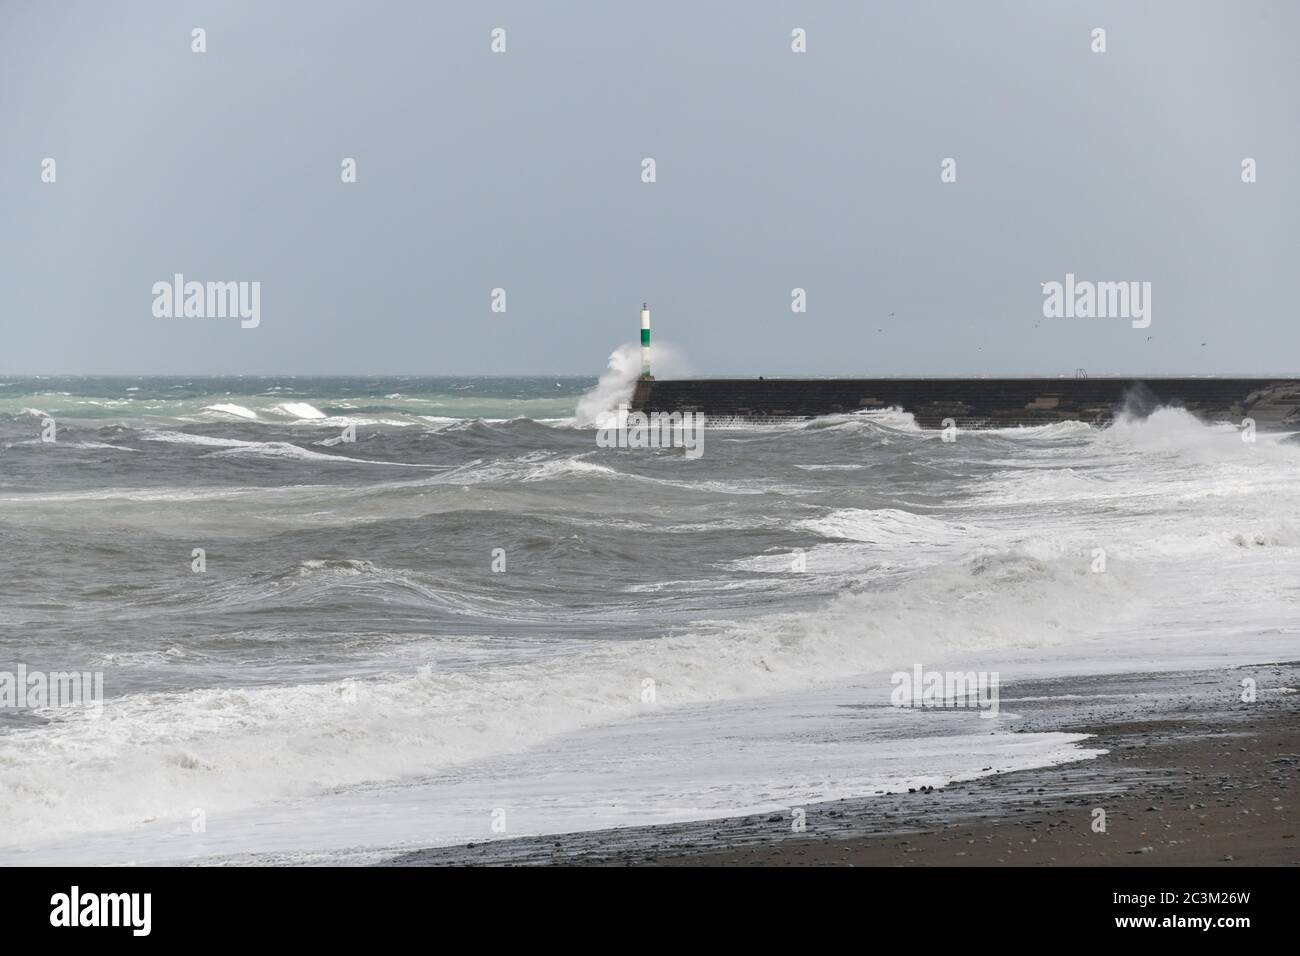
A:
x: 1191, y: 776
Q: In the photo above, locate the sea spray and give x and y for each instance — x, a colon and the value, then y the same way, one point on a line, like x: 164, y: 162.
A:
x: 599, y: 407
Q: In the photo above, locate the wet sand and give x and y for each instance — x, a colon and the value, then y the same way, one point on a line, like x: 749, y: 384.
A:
x: 1192, y: 776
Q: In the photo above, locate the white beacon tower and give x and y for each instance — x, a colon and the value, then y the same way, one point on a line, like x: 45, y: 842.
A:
x: 645, y: 341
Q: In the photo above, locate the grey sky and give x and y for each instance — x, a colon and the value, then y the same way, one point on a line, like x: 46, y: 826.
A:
x: 523, y: 170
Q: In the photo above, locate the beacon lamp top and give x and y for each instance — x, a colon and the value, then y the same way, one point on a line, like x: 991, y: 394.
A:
x: 645, y: 341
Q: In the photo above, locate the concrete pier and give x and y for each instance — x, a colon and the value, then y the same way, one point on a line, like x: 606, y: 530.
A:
x: 978, y: 402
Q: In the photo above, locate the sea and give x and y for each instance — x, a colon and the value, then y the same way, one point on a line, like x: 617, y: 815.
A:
x: 336, y: 619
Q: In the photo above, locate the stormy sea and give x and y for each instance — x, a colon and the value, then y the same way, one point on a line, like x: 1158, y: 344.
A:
x: 337, y: 619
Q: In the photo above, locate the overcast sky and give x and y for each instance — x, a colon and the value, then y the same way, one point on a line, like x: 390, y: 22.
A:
x: 523, y: 170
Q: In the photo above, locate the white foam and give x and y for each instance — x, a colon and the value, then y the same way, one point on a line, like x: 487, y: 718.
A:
x: 885, y: 526
x: 892, y: 418
x: 185, y: 438
x: 599, y: 406
x: 300, y: 410
x: 657, y: 767
x: 161, y: 754
x: 97, y: 444
x: 288, y: 450
x: 1068, y: 429
x: 235, y: 411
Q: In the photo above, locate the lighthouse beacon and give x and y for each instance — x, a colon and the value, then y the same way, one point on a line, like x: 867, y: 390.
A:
x: 645, y: 341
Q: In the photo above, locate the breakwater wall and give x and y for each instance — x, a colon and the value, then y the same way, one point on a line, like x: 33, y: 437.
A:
x: 977, y: 402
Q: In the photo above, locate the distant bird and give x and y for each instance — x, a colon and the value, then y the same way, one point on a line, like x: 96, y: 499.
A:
x: 1202, y: 345
x: 1148, y: 338
x: 891, y: 315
